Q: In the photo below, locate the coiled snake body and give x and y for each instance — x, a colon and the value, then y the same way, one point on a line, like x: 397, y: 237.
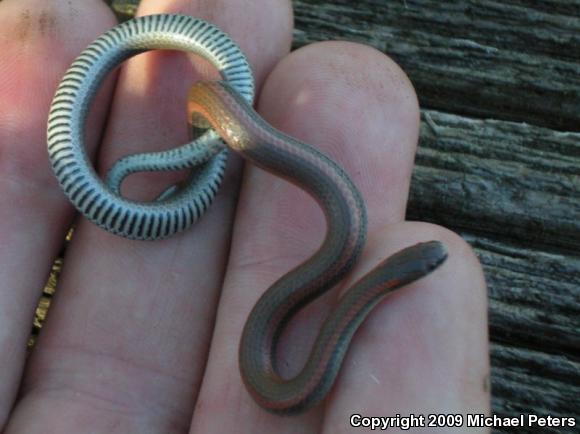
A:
x: 66, y: 142
x: 226, y: 108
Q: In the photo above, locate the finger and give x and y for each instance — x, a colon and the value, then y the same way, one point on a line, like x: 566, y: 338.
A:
x: 358, y: 107
x: 131, y: 321
x: 424, y: 350
x: 36, y: 50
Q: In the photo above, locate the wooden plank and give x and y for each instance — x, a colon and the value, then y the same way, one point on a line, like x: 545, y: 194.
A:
x: 514, y: 60
x: 508, y: 179
x: 526, y: 381
x: 534, y: 297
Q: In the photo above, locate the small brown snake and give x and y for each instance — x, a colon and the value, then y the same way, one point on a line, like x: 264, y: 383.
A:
x: 248, y: 134
x: 226, y: 108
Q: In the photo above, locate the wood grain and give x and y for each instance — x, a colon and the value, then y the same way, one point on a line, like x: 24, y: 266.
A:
x: 511, y: 60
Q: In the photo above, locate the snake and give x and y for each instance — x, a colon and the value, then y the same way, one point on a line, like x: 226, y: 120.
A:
x: 100, y: 201
x: 223, y: 109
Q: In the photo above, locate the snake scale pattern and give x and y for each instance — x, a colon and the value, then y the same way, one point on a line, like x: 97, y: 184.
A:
x: 100, y: 201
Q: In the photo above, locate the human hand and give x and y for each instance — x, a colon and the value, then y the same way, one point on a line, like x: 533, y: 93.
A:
x: 131, y: 344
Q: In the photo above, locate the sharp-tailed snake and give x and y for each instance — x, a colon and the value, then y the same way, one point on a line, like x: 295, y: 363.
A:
x: 224, y: 108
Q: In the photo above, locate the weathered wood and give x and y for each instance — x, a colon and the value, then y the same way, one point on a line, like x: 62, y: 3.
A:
x: 508, y: 182
x: 515, y: 60
x: 534, y: 297
x: 528, y: 381
x: 512, y: 180
x: 534, y: 322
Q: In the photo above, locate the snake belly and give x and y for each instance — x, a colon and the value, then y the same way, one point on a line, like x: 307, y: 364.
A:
x: 101, y: 203
x: 248, y: 134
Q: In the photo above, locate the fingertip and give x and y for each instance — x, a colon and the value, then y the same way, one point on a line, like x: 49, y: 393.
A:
x: 425, y: 347
x: 340, y: 67
x: 357, y: 106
